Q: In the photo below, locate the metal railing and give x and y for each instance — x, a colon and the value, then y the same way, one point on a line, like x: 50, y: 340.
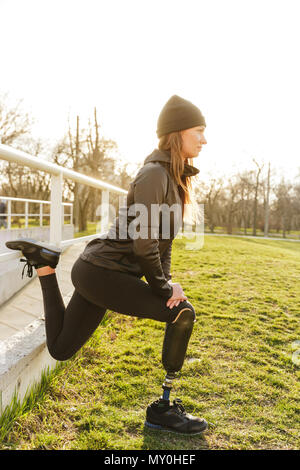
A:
x: 41, y: 215
x: 58, y: 173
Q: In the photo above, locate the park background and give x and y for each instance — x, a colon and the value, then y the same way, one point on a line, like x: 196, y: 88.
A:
x: 82, y: 84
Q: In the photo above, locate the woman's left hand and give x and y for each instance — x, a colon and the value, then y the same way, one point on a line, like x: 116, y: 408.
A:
x: 174, y: 303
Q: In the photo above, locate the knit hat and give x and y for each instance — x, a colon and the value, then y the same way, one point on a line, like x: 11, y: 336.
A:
x: 178, y: 114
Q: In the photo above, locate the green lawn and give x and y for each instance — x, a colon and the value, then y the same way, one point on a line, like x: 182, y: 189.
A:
x: 90, y: 230
x: 241, y: 371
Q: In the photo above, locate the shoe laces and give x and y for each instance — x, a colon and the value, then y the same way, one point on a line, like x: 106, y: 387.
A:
x: 178, y: 406
x: 29, y: 267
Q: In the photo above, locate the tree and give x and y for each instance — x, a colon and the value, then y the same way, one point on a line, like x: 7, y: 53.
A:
x: 283, y: 206
x: 16, y: 180
x: 296, y: 206
x: 15, y: 123
x: 87, y: 152
x: 245, y: 184
x: 267, y: 202
x: 256, y: 189
x: 210, y: 195
x: 231, y: 205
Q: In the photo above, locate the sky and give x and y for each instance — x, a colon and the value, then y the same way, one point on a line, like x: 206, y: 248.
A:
x: 237, y: 60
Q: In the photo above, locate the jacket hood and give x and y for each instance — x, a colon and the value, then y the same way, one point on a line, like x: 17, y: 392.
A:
x: 165, y: 156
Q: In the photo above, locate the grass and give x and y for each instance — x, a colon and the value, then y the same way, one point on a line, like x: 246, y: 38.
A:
x: 238, y: 374
x: 91, y: 229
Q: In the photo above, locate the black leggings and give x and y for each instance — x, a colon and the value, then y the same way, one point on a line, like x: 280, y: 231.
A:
x: 96, y: 290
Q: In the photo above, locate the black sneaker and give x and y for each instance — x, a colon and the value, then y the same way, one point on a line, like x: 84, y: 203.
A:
x: 37, y: 254
x: 162, y: 416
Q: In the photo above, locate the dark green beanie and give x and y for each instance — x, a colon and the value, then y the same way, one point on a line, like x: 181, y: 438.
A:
x: 178, y: 114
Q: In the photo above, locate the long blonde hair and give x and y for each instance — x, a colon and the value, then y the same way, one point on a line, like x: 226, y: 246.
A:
x: 174, y: 143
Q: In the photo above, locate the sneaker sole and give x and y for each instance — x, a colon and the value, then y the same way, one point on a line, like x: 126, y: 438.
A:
x: 28, y: 247
x: 158, y: 427
x: 23, y: 244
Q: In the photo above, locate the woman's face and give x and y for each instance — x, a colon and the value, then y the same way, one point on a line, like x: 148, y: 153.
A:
x: 193, y: 139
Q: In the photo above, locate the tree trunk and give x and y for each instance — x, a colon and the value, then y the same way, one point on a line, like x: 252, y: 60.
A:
x: 76, y: 186
x: 256, y: 198
x: 267, y: 205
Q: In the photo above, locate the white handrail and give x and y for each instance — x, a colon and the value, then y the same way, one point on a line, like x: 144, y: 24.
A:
x: 17, y: 156
x: 57, y: 174
x: 36, y: 201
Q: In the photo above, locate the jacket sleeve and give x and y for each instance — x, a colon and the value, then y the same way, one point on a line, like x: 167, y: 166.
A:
x: 150, y: 187
x: 166, y: 262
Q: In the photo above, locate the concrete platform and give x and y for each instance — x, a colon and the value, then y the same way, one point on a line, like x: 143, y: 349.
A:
x: 23, y: 352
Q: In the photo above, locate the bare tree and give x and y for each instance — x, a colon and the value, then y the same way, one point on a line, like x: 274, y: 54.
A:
x: 296, y: 207
x: 15, y: 123
x: 256, y: 190
x: 267, y: 202
x: 210, y: 195
x: 283, y: 206
x: 87, y: 152
x: 245, y: 183
x: 231, y: 205
x: 16, y: 180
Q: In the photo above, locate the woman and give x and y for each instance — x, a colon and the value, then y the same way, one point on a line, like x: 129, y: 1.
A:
x: 107, y: 275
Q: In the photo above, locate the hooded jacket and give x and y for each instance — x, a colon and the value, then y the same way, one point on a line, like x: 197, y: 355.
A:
x: 148, y: 255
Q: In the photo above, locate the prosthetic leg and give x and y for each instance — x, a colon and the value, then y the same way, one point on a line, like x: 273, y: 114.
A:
x: 161, y: 415
x: 177, y: 335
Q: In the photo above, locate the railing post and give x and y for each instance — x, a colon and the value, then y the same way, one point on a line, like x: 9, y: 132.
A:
x: 104, y: 210
x: 9, y: 214
x: 56, y: 210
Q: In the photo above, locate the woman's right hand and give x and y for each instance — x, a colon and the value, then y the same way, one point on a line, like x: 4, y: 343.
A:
x: 178, y: 295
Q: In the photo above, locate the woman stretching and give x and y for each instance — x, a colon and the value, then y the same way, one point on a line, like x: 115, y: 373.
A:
x: 107, y: 274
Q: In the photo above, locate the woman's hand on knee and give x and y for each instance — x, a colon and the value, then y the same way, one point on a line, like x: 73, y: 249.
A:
x: 178, y: 295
